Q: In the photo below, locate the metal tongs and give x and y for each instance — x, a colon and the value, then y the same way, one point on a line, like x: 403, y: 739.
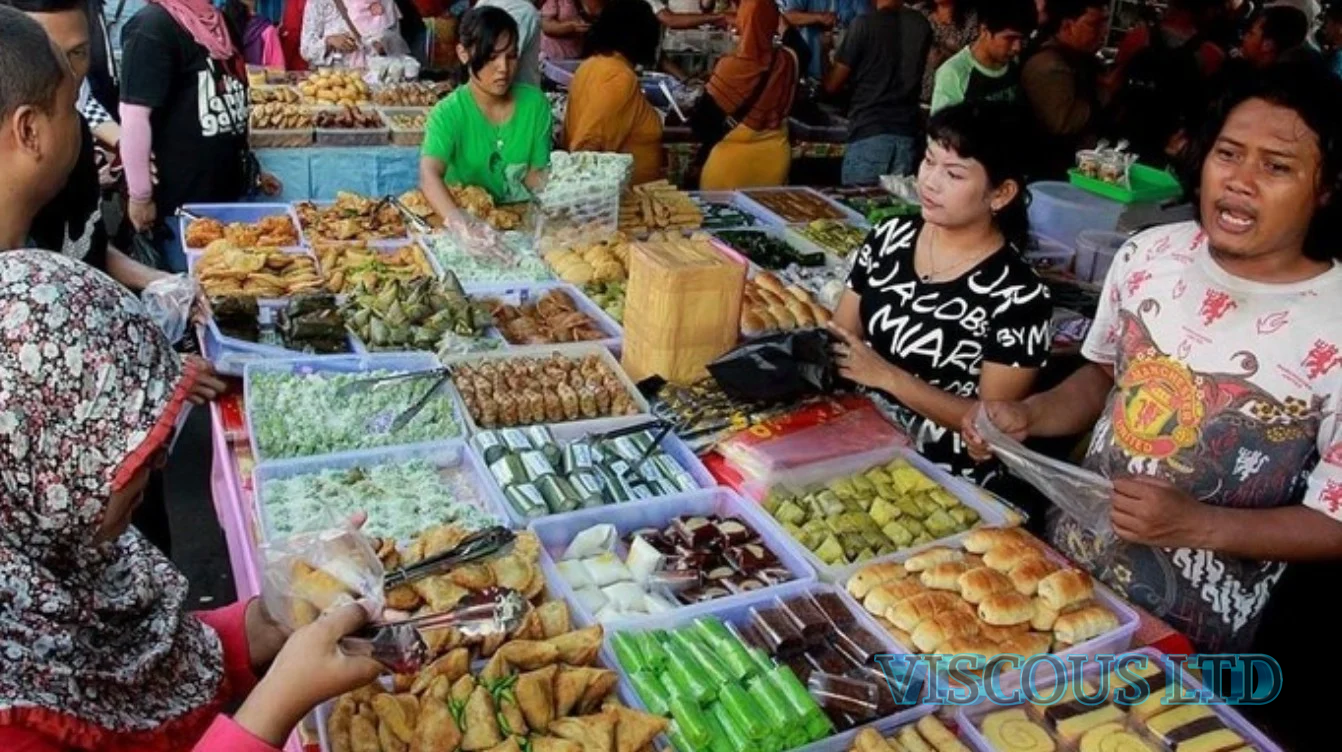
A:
x: 413, y: 220
x: 400, y: 647
x: 402, y: 420
x: 476, y: 546
x: 666, y: 428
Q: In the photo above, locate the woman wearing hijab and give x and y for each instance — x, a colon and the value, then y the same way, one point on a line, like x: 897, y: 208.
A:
x: 183, y: 98
x: 346, y: 32
x: 754, y: 88
x: 98, y: 653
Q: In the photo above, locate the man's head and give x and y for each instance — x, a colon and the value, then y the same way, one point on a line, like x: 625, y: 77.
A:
x: 1276, y: 30
x: 1332, y: 25
x: 1079, y: 24
x: 1271, y: 166
x: 1004, y: 27
x: 67, y: 23
x: 39, y: 127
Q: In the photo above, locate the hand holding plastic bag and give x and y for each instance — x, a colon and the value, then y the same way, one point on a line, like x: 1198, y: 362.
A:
x: 308, y: 574
x: 1085, y: 496
x: 168, y: 301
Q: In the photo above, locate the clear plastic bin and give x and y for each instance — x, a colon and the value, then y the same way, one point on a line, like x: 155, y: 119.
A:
x: 1048, y: 254
x: 832, y: 208
x: 736, y: 611
x: 229, y: 213
x: 1095, y: 251
x: 732, y: 199
x: 193, y: 256
x: 970, y: 719
x: 990, y: 513
x: 451, y: 458
x: 796, y: 242
x: 229, y: 349
x: 404, y: 136
x: 567, y: 433
x: 280, y: 138
x: 557, y: 531
x: 570, y: 351
x: 1060, y: 211
x: 352, y: 136
x: 336, y: 364
x: 529, y: 292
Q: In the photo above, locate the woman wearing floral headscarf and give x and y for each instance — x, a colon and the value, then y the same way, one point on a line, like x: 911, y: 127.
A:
x: 96, y: 652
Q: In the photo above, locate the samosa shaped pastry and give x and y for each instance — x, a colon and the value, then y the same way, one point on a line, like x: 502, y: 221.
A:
x: 555, y: 618
x: 363, y: 734
x: 480, y: 724
x: 398, y: 713
x: 528, y: 655
x: 437, y: 730
x: 453, y: 666
x: 535, y: 695
x: 596, y: 733
x: 633, y: 729
x: 579, y: 648
x: 551, y: 744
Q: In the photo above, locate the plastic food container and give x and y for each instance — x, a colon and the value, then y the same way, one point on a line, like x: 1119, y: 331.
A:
x: 389, y: 243
x: 404, y: 136
x: 832, y: 209
x: 990, y: 513
x: 1049, y: 254
x: 193, y: 255
x: 797, y: 243
x: 1095, y: 251
x: 282, y: 138
x: 530, y: 292
x: 970, y: 719
x: 229, y: 353
x: 567, y: 433
x: 459, y: 468
x: 736, y: 611
x: 1062, y: 211
x: 557, y: 531
x: 579, y: 351
x: 352, y: 136
x: 336, y: 364
x: 1145, y: 185
x: 229, y: 213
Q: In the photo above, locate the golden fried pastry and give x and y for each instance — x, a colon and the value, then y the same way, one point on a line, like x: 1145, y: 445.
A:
x: 633, y: 729
x: 437, y: 730
x: 579, y: 648
x: 535, y: 695
x: 480, y: 723
x: 399, y: 713
x: 555, y: 618
x: 596, y: 733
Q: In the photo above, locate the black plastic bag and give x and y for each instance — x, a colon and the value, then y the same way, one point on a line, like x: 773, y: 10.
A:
x: 778, y: 368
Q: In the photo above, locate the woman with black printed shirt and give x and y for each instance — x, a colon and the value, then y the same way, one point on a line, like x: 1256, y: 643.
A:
x: 941, y: 310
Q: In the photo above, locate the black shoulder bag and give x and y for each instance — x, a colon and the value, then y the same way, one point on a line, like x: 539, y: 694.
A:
x: 711, y: 124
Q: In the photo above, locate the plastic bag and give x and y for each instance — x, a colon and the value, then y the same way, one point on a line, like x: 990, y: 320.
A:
x: 1087, y: 497
x: 308, y: 574
x: 168, y: 301
x: 781, y: 367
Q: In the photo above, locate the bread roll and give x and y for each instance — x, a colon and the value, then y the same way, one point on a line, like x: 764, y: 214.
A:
x: 822, y: 316
x: 1005, y: 609
x: 1079, y: 626
x: 1061, y: 589
x: 1044, y: 617
x: 766, y: 319
x: 912, y: 611
x: 980, y: 646
x: 1002, y: 634
x: 985, y: 539
x: 944, y: 576
x: 931, y: 557
x: 900, y: 636
x: 941, y: 737
x: 802, y: 313
x: 977, y: 584
x: 751, y: 323
x: 882, y: 598
x: 1026, y: 575
x: 769, y: 282
x: 931, y: 633
x: 870, y: 576
x: 1008, y: 556
x: 783, y: 316
x: 799, y: 293
x: 1027, y: 644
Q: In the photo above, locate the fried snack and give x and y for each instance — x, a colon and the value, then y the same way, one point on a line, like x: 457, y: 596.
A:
x: 228, y: 270
x: 202, y: 232
x: 584, y: 263
x: 410, y: 94
x: 388, y: 740
x: 535, y: 695
x: 462, y: 689
x: 348, y: 117
x: 351, y: 265
x: 529, y: 654
x: 269, y: 232
x: 477, y: 202
x: 596, y: 733
x: 480, y: 722
x: 551, y: 744
x: 553, y: 319
x: 363, y: 734
x: 633, y: 729
x: 334, y: 87
x: 313, y: 591
x: 554, y: 618
x: 658, y: 206
x: 579, y: 648
x: 449, y: 667
x: 440, y: 593
x: 352, y: 217
x: 570, y: 685
x: 272, y: 94
x: 408, y: 122
x: 337, y: 724
x: 279, y: 116
x: 510, y: 745
x: 437, y: 730
x: 400, y: 713
x: 599, y: 685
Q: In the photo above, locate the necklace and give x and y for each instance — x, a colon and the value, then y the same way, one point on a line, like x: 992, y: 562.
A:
x: 934, y: 272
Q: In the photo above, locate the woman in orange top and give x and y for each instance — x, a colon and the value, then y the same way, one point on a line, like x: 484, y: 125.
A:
x: 606, y: 107
x: 756, y: 152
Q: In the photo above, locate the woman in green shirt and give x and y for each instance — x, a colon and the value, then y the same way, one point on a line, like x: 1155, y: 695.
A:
x: 491, y: 133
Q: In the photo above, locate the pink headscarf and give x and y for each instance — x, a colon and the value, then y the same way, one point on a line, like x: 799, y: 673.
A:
x: 371, y: 18
x: 204, y: 23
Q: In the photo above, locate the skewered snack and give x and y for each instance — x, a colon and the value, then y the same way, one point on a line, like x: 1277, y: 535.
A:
x: 582, y: 263
x: 524, y: 391
x: 794, y: 205
x: 658, y: 206
x: 225, y: 269
x: 334, y: 87
x: 349, y: 117
x: 769, y: 306
x: 410, y: 94
x: 351, y: 217
x: 348, y: 266
x: 551, y: 320
x: 279, y: 116
x: 411, y: 314
x: 269, y: 232
x: 273, y: 94
x: 477, y: 202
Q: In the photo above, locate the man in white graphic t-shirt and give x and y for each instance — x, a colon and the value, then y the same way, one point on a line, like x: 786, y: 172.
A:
x: 1215, y: 376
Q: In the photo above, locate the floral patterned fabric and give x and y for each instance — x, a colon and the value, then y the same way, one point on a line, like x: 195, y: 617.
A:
x: 94, y: 642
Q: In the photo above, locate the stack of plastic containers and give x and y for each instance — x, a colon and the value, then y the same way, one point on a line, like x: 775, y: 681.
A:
x: 1061, y: 211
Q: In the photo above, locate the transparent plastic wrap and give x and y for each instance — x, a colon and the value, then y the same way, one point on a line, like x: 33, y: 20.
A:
x: 310, y: 573
x: 168, y: 301
x: 1084, y: 495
